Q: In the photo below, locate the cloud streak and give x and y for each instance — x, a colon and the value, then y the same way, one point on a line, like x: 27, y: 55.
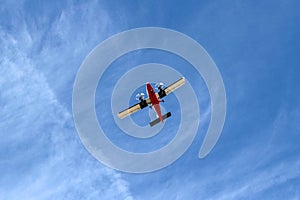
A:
x: 41, y: 156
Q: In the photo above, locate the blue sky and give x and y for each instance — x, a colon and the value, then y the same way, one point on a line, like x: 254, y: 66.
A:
x: 255, y: 45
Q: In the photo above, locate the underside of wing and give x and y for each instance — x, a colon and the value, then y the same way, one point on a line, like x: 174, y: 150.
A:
x: 171, y: 88
x: 144, y: 103
x: 174, y: 86
x: 134, y: 108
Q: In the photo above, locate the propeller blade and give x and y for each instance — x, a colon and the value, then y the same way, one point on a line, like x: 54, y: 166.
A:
x: 140, y: 96
x: 159, y: 85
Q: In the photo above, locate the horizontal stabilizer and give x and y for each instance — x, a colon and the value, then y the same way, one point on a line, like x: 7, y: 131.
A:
x: 156, y: 121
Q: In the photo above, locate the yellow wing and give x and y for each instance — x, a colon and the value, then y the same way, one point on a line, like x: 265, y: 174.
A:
x: 134, y: 108
x: 174, y: 86
x: 171, y: 88
x: 145, y: 103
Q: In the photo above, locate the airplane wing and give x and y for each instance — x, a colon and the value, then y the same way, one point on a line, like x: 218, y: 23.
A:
x: 171, y: 88
x: 134, y: 108
x: 144, y: 103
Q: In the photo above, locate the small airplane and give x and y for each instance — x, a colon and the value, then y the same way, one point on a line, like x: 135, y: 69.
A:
x: 153, y: 100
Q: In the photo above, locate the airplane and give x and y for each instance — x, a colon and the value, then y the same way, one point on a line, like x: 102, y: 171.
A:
x: 153, y: 100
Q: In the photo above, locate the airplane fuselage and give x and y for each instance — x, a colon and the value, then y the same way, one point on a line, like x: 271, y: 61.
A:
x: 154, y: 101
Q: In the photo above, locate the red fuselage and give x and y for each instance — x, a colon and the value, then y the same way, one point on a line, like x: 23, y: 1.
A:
x: 155, y: 101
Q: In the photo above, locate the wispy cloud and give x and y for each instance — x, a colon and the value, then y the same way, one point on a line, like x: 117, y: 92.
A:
x: 264, y: 164
x: 265, y: 168
x: 41, y: 156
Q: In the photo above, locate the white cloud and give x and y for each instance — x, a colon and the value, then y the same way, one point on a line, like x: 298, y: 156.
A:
x: 265, y: 168
x: 41, y: 156
x: 263, y: 165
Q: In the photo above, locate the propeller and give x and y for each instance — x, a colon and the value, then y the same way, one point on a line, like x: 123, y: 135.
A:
x: 159, y: 86
x: 140, y: 96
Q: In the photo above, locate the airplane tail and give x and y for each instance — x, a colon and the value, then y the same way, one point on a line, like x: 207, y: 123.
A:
x: 156, y: 121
